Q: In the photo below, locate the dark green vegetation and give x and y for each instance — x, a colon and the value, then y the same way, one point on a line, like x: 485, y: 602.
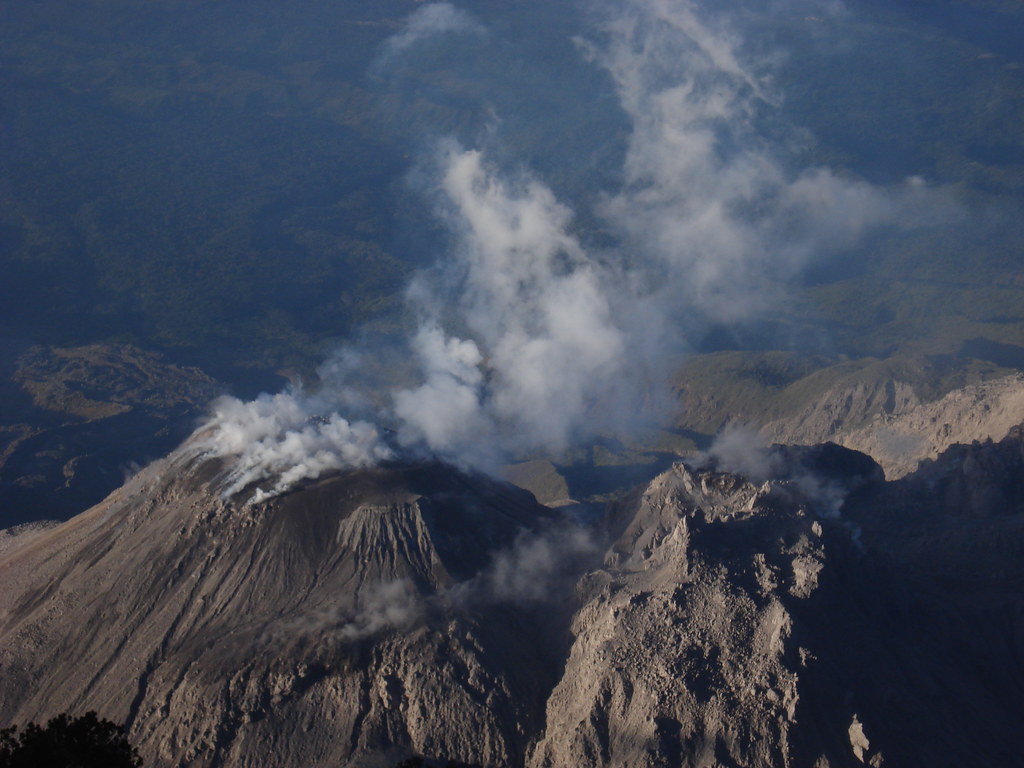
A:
x: 228, y: 180
x: 73, y: 422
x: 227, y: 183
x: 933, y: 90
x: 65, y: 742
x: 235, y: 184
x: 172, y: 180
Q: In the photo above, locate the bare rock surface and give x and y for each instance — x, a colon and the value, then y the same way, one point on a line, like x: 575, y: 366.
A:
x: 898, y: 410
x: 680, y: 653
x: 899, y: 442
x: 897, y: 429
x: 356, y: 620
x: 742, y: 624
x: 313, y: 629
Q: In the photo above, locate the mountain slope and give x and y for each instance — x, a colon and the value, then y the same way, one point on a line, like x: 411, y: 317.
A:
x: 818, y: 616
x: 899, y: 410
x: 306, y: 630
x: 905, y: 431
x: 743, y: 624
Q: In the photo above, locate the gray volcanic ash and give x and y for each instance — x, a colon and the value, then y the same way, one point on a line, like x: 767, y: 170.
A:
x: 415, y: 609
x: 284, y: 632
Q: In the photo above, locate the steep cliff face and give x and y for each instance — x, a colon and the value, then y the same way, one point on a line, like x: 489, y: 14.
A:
x: 899, y: 410
x: 683, y: 639
x: 749, y: 625
x: 312, y: 629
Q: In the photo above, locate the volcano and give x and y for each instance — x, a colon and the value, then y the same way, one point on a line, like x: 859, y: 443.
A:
x: 710, y: 620
x: 214, y: 628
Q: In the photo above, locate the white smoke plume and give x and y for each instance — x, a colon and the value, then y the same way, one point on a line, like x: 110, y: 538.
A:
x: 715, y: 212
x: 542, y: 338
x: 536, y: 569
x: 276, y: 439
x: 744, y: 452
x: 388, y: 605
x: 526, y: 339
x: 425, y: 23
x: 373, y: 608
x: 540, y: 568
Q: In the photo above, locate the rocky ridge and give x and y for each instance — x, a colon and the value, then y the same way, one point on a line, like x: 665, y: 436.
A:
x: 898, y: 429
x: 736, y: 623
x: 716, y: 622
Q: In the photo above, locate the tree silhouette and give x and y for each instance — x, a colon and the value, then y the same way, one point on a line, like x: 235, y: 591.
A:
x: 83, y: 742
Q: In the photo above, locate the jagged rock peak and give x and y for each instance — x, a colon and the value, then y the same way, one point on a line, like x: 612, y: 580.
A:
x: 683, y: 651
x: 732, y: 624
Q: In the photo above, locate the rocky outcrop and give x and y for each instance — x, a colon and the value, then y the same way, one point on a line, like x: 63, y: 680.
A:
x: 819, y: 616
x: 899, y: 410
x: 984, y: 411
x: 897, y: 429
x: 683, y: 644
x: 746, y: 625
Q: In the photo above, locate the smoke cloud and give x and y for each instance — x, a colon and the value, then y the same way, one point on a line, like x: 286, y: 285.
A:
x: 527, y: 341
x: 744, y: 452
x: 371, y: 609
x: 388, y: 605
x: 538, y: 568
x: 541, y: 336
x: 428, y: 22
x: 280, y: 439
x: 714, y: 209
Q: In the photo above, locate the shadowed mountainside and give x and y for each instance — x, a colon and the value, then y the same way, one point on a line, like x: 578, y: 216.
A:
x: 74, y: 422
